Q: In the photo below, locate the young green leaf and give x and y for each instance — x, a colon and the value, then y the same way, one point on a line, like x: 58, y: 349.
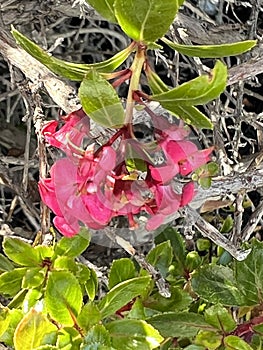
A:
x: 63, y: 297
x: 145, y: 21
x: 34, y: 330
x: 184, y: 324
x: 156, y: 84
x: 197, y: 91
x: 212, y: 51
x: 233, y: 342
x: 72, y: 247
x: 121, y: 270
x: 161, y: 256
x: 100, y: 101
x: 133, y: 334
x: 72, y: 71
x: 217, y: 284
x: 21, y: 252
x: 91, y: 285
x: 122, y: 294
x: 104, y: 8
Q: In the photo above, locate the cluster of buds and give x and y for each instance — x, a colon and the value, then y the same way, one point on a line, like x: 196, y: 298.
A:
x: 94, y: 183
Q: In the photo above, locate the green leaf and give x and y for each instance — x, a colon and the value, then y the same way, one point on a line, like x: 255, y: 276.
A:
x: 161, y: 256
x: 100, y: 101
x: 68, y: 339
x: 96, y: 337
x: 20, y: 252
x: 89, y: 316
x: 156, y: 84
x: 217, y: 284
x: 133, y: 335
x: 249, y: 275
x: 65, y: 263
x: 179, y: 325
x: 13, y: 317
x: 34, y: 330
x: 220, y: 318
x: 91, y: 285
x: 104, y: 8
x: 178, y: 301
x: 192, y: 261
x: 178, y: 246
x: 212, y: 51
x: 197, y: 91
x: 4, y: 320
x: 63, y: 293
x: 72, y: 71
x: 32, y: 297
x: 72, y: 247
x: 121, y: 270
x: 122, y: 294
x: 195, y: 347
x: 11, y: 281
x: 137, y: 311
x: 34, y: 277
x: 5, y: 264
x: 233, y: 342
x: 145, y: 21
x: 190, y: 114
x: 209, y: 339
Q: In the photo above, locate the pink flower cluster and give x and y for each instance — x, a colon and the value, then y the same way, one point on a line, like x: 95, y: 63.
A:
x: 93, y: 184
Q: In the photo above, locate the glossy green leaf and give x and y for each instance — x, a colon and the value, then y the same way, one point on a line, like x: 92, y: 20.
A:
x: 91, y: 285
x: 104, y: 8
x: 212, y: 51
x: 178, y: 301
x: 178, y: 246
x: 96, y: 337
x: 14, y: 316
x: 133, y: 334
x: 4, y: 320
x: 121, y: 270
x: 179, y: 325
x: 89, y: 316
x: 74, y: 246
x: 33, y: 277
x: 217, y: 284
x: 21, y: 252
x: 220, y: 318
x: 145, y: 21
x: 5, y: 264
x: 137, y: 311
x: 233, y: 342
x: 34, y: 330
x: 100, y: 101
x: 72, y: 71
x: 122, y: 294
x: 83, y: 273
x: 161, y: 257
x: 195, y: 347
x: 249, y: 275
x: 11, y: 281
x: 209, y: 339
x: 63, y: 297
x: 197, y: 91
